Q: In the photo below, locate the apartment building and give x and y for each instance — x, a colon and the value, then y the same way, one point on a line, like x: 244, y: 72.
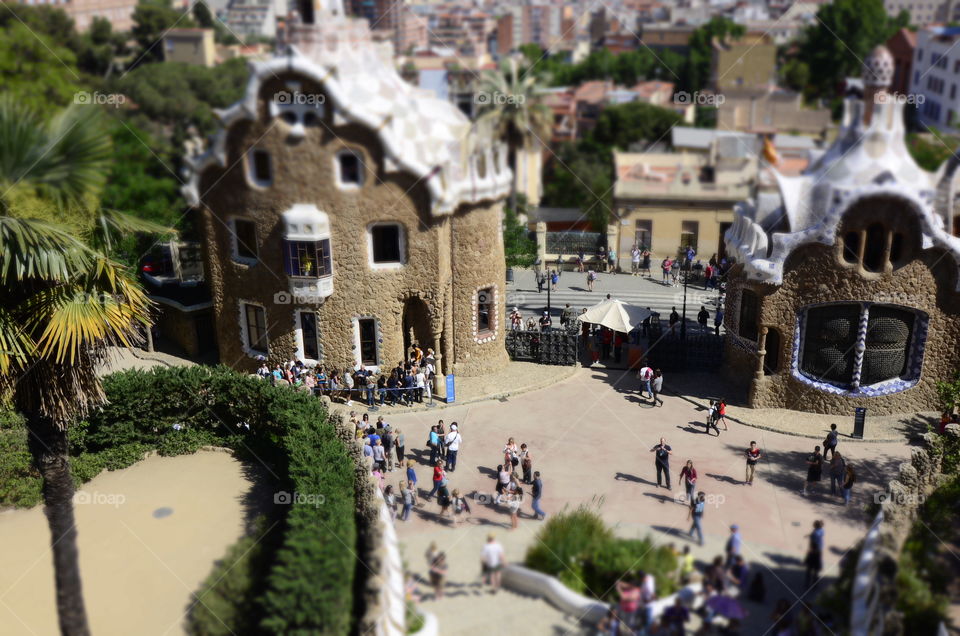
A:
x: 118, y: 12
x: 936, y: 76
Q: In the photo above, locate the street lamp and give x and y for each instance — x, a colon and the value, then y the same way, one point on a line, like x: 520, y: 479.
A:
x: 683, y: 319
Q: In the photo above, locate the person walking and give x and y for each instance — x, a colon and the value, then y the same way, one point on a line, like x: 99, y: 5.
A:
x: 439, y: 478
x: 438, y: 574
x: 526, y: 463
x: 433, y: 442
x: 460, y: 507
x: 814, y: 469
x: 536, y: 493
x: 838, y: 472
x: 645, y: 375
x: 718, y: 320
x: 848, y: 480
x: 711, y: 421
x: 688, y: 477
x: 409, y: 494
x: 492, y: 560
x: 753, y: 456
x: 674, y: 320
x: 453, y: 442
x: 399, y: 443
x: 734, y: 545
x: 830, y: 443
x: 722, y: 414
x: 663, y: 452
x: 554, y: 279
x: 657, y: 386
x: 814, y: 558
x: 697, y: 507
x: 503, y: 480
x: 702, y: 319
x: 412, y: 481
x: 514, y: 501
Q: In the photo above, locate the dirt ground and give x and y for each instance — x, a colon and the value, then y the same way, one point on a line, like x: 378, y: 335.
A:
x: 148, y: 536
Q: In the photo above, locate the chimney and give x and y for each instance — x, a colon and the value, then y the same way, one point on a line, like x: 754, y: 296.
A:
x: 877, y: 77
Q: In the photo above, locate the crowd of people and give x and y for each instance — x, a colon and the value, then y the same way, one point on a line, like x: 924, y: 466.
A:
x: 410, y: 382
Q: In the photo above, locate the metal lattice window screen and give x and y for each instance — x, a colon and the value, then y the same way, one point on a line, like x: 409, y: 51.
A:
x: 830, y: 342
x: 573, y: 242
x: 889, y: 333
x: 831, y: 336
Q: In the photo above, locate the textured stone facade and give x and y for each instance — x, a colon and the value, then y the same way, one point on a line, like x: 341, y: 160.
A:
x: 921, y: 279
x: 446, y: 258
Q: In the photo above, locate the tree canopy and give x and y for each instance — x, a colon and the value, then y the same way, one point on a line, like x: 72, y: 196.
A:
x: 835, y: 46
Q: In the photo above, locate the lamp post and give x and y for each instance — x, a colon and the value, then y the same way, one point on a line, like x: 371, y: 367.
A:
x: 549, y: 285
x: 683, y: 319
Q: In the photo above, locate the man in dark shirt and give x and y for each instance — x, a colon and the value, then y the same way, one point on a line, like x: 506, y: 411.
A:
x: 545, y: 322
x: 674, y: 319
x: 663, y: 452
x: 537, y: 493
x: 702, y: 318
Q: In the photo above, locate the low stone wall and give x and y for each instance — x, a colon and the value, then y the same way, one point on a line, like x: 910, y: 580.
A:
x: 587, y: 610
x: 880, y: 555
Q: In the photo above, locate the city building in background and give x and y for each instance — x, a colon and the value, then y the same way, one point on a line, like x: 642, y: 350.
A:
x: 845, y: 292
x: 936, y: 76
x: 669, y: 202
x: 190, y: 46
x: 748, y: 63
x: 119, y: 13
x: 924, y: 13
x: 348, y: 214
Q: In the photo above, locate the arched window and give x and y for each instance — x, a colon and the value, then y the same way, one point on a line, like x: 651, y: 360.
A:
x: 876, y: 244
x: 771, y: 360
x: 851, y: 247
x: 749, y: 314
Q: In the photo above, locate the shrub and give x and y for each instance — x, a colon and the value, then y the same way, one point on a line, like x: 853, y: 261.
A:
x: 307, y: 586
x: 20, y: 483
x: 310, y: 587
x: 626, y: 559
x: 85, y: 467
x: 304, y: 582
x: 227, y: 602
x: 582, y: 552
x: 564, y: 540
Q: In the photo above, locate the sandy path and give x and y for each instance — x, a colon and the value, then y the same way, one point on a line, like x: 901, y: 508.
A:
x: 139, y: 567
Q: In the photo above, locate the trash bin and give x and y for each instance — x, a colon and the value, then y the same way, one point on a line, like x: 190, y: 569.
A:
x: 859, y: 419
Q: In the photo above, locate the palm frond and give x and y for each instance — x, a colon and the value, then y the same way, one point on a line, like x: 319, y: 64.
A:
x: 34, y: 249
x: 16, y: 346
x: 72, y: 319
x: 114, y: 223
x: 64, y: 159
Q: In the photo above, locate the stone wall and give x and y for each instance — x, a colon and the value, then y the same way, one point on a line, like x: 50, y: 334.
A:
x: 303, y: 172
x: 178, y: 327
x: 478, y: 264
x: 917, y: 479
x: 817, y: 274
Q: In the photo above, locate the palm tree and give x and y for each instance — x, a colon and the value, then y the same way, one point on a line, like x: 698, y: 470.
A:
x: 511, y: 102
x: 64, y: 303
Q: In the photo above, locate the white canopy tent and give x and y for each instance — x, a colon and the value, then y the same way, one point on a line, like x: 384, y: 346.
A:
x: 615, y: 314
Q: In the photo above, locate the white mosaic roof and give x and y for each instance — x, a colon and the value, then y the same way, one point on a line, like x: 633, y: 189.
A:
x: 423, y: 135
x: 865, y: 160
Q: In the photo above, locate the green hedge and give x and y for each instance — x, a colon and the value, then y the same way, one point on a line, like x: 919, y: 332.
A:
x: 309, y: 584
x: 580, y: 550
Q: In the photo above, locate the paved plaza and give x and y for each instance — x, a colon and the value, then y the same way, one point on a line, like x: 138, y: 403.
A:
x: 643, y: 291
x: 590, y: 437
